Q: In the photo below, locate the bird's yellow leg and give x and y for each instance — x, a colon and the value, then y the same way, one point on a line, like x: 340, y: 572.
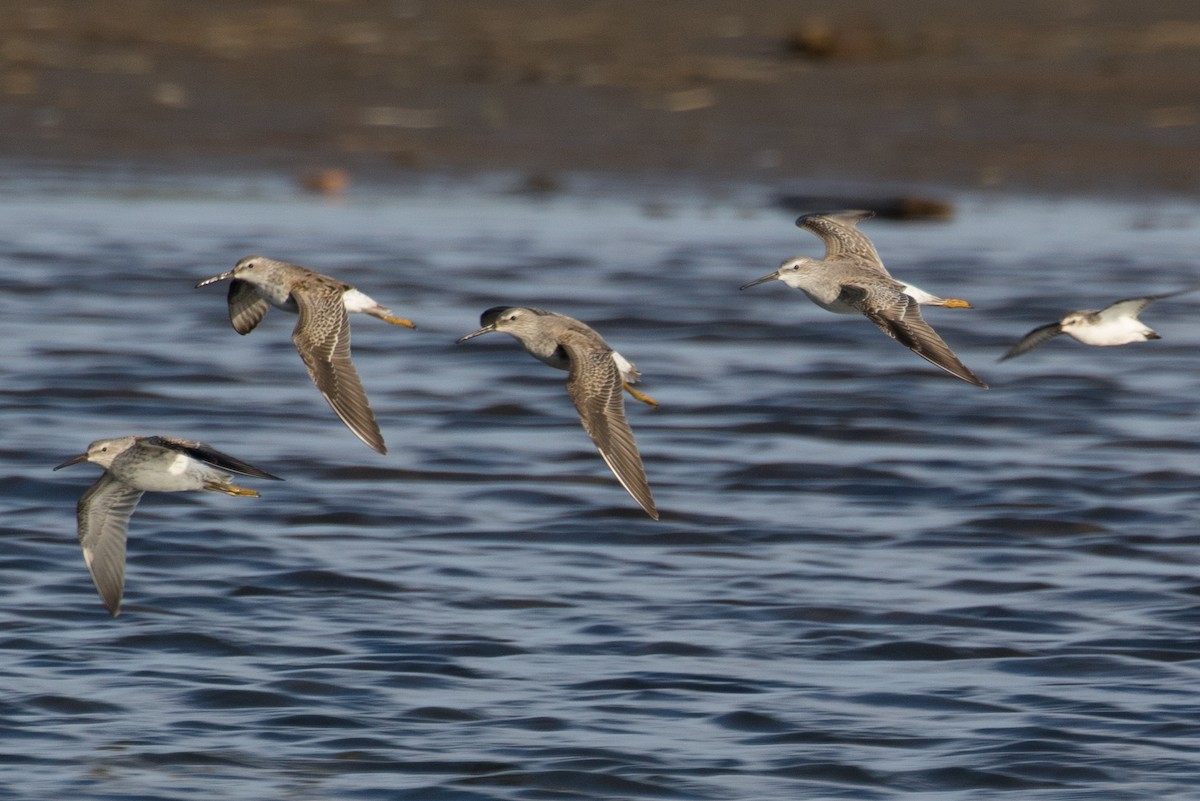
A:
x: 643, y: 397
x: 387, y: 318
x: 957, y: 303
x: 231, y: 489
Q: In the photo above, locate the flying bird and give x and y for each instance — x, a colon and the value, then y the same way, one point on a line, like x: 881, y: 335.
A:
x: 1115, y: 324
x: 597, y: 376
x: 851, y: 279
x: 321, y: 335
x: 132, y: 466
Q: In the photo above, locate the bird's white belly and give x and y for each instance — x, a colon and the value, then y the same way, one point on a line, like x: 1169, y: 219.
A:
x: 177, y: 475
x: 278, y: 296
x: 1121, y: 332
x: 835, y: 305
x: 557, y: 362
x: 825, y: 294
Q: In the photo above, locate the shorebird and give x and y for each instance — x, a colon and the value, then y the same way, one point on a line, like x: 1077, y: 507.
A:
x: 1115, y: 324
x: 321, y: 335
x: 851, y: 278
x: 134, y: 465
x: 597, y: 376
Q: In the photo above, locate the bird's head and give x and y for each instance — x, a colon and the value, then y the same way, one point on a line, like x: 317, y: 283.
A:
x: 791, y: 272
x: 246, y: 269
x: 101, y: 452
x: 1076, y: 319
x: 515, y: 320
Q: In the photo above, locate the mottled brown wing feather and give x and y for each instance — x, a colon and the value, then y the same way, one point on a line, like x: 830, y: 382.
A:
x: 246, y: 306
x: 103, y: 514
x: 595, y: 387
x: 842, y: 239
x: 322, y: 336
x: 899, y: 316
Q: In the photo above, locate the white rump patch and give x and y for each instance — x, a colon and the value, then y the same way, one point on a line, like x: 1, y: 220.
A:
x: 629, y: 373
x: 356, y: 301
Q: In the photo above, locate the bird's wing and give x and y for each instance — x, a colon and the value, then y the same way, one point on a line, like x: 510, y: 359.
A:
x: 1129, y: 307
x: 1132, y: 307
x: 595, y: 387
x: 322, y: 336
x: 842, y: 239
x: 103, y: 514
x: 899, y: 316
x: 1038, y: 336
x: 246, y: 306
x: 206, y: 453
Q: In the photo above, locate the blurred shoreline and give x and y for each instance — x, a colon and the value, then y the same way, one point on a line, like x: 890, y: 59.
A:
x: 1079, y: 96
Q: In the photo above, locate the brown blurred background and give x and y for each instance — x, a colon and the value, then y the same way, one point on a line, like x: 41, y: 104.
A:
x: 1077, y: 95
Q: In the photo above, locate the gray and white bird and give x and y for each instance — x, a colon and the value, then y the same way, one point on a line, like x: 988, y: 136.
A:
x: 1115, y: 324
x: 597, y: 376
x: 851, y: 279
x: 321, y: 335
x: 134, y: 465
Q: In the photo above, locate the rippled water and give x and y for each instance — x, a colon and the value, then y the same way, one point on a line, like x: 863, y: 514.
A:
x: 871, y: 580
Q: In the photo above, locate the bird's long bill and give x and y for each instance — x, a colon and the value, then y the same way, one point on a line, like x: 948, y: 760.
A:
x: 487, y: 329
x: 73, y: 460
x: 215, y: 279
x: 763, y: 280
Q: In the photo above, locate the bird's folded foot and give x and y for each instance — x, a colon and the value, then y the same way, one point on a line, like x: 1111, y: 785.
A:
x: 643, y: 397
x: 231, y: 489
x: 387, y: 318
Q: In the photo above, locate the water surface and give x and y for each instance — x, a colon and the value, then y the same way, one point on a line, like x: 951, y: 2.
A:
x: 870, y: 580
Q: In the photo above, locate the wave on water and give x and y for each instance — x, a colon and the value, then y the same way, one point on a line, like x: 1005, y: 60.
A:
x: 870, y: 580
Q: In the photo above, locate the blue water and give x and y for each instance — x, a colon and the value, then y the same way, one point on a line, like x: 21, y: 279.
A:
x: 870, y: 580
